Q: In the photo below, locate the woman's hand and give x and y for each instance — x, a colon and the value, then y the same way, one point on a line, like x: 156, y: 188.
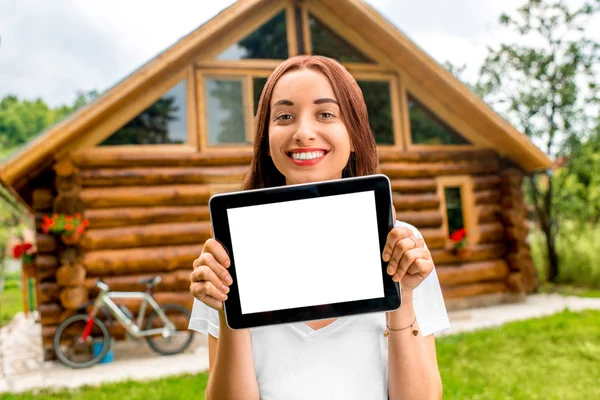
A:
x: 409, y: 260
x: 210, y: 280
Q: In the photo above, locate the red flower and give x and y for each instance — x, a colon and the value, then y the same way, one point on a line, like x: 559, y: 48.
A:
x: 18, y: 251
x: 68, y: 218
x: 68, y: 227
x: 80, y: 229
x: 85, y: 222
x: 458, y: 235
x: 27, y: 246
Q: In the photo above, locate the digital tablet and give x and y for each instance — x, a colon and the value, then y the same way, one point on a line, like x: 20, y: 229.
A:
x: 306, y: 252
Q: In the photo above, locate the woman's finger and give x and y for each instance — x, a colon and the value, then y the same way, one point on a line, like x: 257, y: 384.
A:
x: 402, y: 245
x: 408, y: 258
x: 218, y: 252
x: 205, y: 290
x: 393, y: 237
x: 205, y: 273
x: 421, y: 266
x: 209, y: 260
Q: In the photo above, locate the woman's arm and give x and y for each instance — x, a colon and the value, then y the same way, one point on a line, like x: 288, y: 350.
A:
x: 231, y: 365
x: 412, y: 362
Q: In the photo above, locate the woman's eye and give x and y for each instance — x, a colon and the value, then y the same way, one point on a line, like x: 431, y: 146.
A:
x: 283, y: 117
x: 326, y: 115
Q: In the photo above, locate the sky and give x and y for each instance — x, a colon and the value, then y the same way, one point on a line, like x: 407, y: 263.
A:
x: 52, y: 49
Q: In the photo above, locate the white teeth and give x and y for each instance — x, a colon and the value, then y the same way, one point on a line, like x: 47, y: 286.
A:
x: 308, y: 156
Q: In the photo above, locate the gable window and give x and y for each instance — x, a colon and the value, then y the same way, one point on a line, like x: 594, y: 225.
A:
x: 426, y: 128
x: 378, y: 98
x: 164, y: 122
x: 326, y: 42
x: 230, y: 104
x: 267, y: 42
x: 454, y: 209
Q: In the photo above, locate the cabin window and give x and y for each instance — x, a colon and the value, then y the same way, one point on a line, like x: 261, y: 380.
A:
x: 258, y: 84
x: 378, y: 98
x: 164, y: 122
x: 454, y: 209
x: 325, y: 42
x: 225, y: 110
x: 426, y: 128
x: 267, y: 42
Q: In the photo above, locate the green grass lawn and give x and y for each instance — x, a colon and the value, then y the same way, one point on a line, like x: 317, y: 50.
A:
x: 555, y: 357
x: 11, y: 299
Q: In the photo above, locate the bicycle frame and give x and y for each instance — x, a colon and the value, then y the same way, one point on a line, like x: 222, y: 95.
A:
x: 105, y: 298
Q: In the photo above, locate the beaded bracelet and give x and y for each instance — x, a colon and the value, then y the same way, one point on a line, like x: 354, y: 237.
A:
x: 415, y: 332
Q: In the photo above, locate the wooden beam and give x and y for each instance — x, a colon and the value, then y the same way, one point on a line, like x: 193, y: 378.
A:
x: 120, y: 159
x: 473, y: 289
x: 135, y: 196
x: 422, y: 185
x: 479, y: 252
x: 162, y: 176
x: 112, y: 218
x: 422, y: 170
x: 491, y: 232
x: 140, y: 260
x: 395, y: 154
x: 490, y: 270
x: 177, y: 280
x: 420, y: 201
x: 147, y: 235
x: 421, y: 219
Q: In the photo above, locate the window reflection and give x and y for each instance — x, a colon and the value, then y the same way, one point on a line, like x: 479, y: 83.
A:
x: 164, y: 122
x: 327, y: 43
x: 225, y: 111
x: 379, y: 106
x: 426, y: 128
x: 267, y: 42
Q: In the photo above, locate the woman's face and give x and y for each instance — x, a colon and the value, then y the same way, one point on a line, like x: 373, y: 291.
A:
x: 308, y: 140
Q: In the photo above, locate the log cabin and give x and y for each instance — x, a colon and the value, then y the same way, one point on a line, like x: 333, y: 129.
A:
x: 142, y: 160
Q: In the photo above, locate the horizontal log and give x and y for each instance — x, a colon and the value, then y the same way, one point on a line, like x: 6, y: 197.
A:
x: 420, y: 201
x: 512, y: 217
x: 45, y: 243
x: 492, y: 270
x: 71, y: 275
x: 484, y: 300
x: 413, y: 185
x: 46, y: 261
x: 65, y: 168
x: 73, y: 297
x: 479, y: 252
x: 515, y: 282
x: 162, y: 176
x: 392, y: 154
x: 491, y: 232
x: 50, y: 313
x: 45, y: 275
x: 143, y: 260
x: 434, y: 238
x: 152, y: 196
x: 115, y: 159
x: 171, y: 281
x: 421, y: 219
x: 109, y: 218
x: 147, y: 235
x: 42, y: 199
x: 420, y: 170
x: 488, y: 213
x: 473, y: 289
x: 47, y: 292
x: 487, y: 197
x: 485, y: 182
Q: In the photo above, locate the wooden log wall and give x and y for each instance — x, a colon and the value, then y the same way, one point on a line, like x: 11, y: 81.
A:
x: 523, y: 275
x: 413, y: 175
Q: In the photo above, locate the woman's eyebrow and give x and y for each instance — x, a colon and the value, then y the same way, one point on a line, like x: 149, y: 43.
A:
x: 283, y: 102
x: 326, y: 100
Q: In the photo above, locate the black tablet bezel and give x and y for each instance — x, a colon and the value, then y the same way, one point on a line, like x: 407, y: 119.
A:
x: 379, y: 184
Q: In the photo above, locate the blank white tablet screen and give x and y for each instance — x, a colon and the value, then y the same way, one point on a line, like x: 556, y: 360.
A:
x: 306, y: 252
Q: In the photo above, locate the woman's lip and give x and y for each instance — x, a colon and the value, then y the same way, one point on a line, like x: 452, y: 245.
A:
x: 307, y: 150
x: 307, y: 162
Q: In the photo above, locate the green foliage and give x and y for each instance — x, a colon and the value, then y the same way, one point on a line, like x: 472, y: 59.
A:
x: 549, y: 91
x: 11, y: 299
x: 21, y: 120
x: 578, y: 246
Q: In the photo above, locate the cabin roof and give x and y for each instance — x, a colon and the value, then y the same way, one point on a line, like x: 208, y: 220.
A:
x: 40, y: 152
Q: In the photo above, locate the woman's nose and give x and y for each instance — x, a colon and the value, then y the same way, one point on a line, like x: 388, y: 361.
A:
x: 305, y: 132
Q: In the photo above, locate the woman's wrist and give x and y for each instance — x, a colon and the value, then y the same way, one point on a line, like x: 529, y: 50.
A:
x: 405, y: 315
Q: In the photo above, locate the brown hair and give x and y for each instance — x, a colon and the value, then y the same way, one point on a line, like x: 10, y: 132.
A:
x: 263, y: 173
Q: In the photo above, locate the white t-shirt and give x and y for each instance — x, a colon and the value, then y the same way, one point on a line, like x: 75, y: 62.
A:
x: 347, y: 359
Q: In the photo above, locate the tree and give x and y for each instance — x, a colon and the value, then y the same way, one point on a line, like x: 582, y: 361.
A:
x: 548, y: 90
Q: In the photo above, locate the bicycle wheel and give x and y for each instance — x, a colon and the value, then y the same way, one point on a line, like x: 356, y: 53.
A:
x: 76, y: 352
x: 170, y: 341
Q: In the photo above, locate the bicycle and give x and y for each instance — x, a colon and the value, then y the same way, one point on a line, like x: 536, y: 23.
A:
x: 77, y: 339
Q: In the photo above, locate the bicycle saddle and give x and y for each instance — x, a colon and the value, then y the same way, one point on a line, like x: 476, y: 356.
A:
x: 151, y: 281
